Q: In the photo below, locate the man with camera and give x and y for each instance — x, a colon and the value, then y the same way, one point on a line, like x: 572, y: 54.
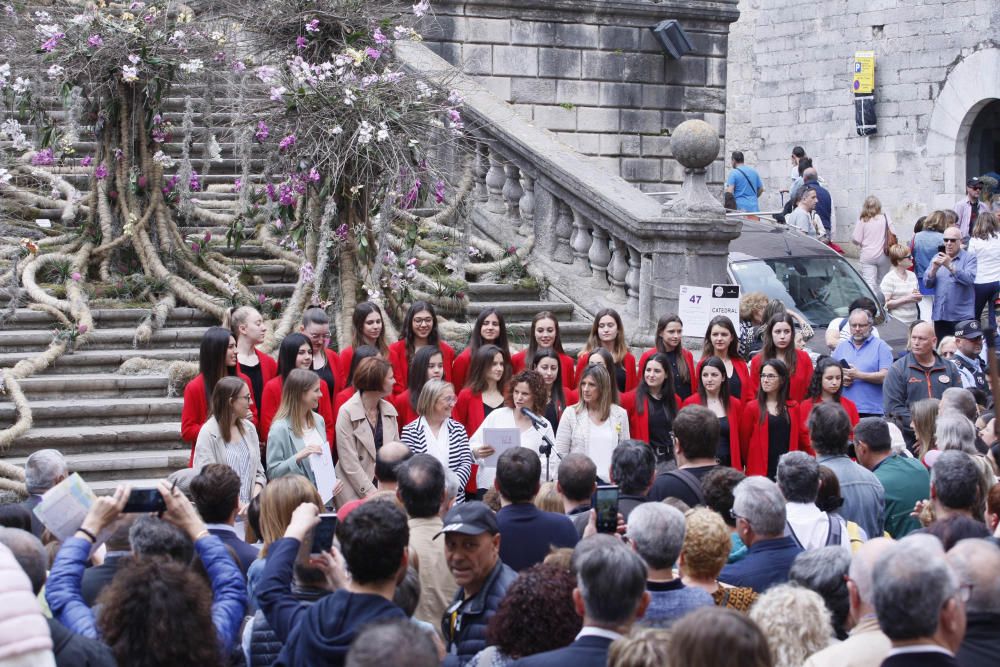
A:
x: 696, y: 437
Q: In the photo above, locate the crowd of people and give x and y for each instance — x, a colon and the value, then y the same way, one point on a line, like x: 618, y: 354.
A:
x: 769, y: 506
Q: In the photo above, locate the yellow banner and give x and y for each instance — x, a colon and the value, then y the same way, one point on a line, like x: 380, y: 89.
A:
x: 864, y: 72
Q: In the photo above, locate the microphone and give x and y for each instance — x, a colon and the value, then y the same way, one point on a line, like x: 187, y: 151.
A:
x: 540, y: 422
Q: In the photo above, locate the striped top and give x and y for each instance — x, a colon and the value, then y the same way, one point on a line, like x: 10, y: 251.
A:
x: 238, y: 458
x: 415, y: 436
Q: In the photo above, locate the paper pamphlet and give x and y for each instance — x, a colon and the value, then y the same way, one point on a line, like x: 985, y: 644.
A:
x: 64, y: 507
x: 324, y: 472
x: 500, y: 439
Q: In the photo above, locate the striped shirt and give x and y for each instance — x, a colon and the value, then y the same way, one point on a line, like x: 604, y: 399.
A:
x: 459, y: 459
x: 238, y: 458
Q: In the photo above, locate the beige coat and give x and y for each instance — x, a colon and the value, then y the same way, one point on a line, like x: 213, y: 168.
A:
x: 866, y: 646
x: 211, y: 448
x: 437, y: 584
x: 356, y: 448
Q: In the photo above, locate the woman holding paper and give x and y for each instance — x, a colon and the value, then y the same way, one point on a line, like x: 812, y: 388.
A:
x: 527, y: 391
x: 228, y: 437
x: 297, y: 431
x: 434, y: 432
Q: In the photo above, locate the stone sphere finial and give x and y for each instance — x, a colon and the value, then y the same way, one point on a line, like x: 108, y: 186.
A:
x: 695, y: 144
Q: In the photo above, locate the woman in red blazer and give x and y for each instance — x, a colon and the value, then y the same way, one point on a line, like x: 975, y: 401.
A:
x: 826, y: 386
x: 428, y: 364
x: 247, y: 326
x: 367, y: 328
x: 713, y: 393
x: 325, y: 362
x: 721, y: 341
x: 548, y: 363
x: 669, y: 331
x: 779, y: 343
x: 653, y: 405
x: 295, y: 352
x: 488, y: 329
x: 486, y: 388
x: 545, y: 334
x: 216, y: 359
x: 419, y: 329
x: 608, y: 333
x: 771, y: 425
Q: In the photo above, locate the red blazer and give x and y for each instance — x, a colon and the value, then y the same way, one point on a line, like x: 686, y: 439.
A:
x: 406, y: 413
x: 747, y: 393
x: 753, y: 436
x: 519, y: 362
x: 268, y: 367
x: 272, y: 400
x: 401, y: 364
x: 798, y: 384
x: 342, y: 397
x: 638, y: 425
x: 469, y: 410
x: 339, y: 375
x: 805, y: 409
x: 685, y: 355
x: 195, y: 411
x: 460, y: 367
x: 734, y: 411
x: 631, y: 377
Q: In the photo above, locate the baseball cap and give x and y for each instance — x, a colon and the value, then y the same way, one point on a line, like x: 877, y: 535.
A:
x: 974, y: 182
x: 472, y: 518
x: 968, y: 329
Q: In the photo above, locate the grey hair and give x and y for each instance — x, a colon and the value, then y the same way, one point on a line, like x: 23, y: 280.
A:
x: 451, y: 485
x: 977, y: 561
x: 959, y: 400
x: 657, y: 531
x: 42, y: 469
x: 955, y: 479
x: 824, y: 571
x: 633, y: 466
x: 759, y: 501
x: 798, y: 477
x: 911, y: 582
x: 954, y: 431
x: 379, y: 643
x: 150, y: 536
x: 863, y: 565
x: 871, y: 320
x: 611, y: 578
x: 29, y: 554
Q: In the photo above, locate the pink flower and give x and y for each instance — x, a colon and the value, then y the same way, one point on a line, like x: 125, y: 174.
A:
x: 237, y: 185
x: 196, y: 247
x: 314, y: 175
x: 341, y: 232
x: 439, y: 192
x: 52, y: 42
x: 85, y: 162
x: 207, y: 237
x: 313, y: 26
x: 76, y: 276
x: 287, y: 142
x: 263, y: 132
x: 410, y: 200
x: 95, y: 41
x: 380, y: 37
x: 300, y: 42
x: 81, y: 329
x: 373, y: 53
x: 43, y: 157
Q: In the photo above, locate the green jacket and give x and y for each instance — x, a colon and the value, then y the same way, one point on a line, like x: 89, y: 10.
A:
x: 905, y: 481
x: 283, y: 445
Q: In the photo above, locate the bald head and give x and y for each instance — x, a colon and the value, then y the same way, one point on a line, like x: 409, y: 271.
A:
x: 810, y: 175
x: 388, y: 459
x: 976, y: 562
x: 863, y: 564
x: 922, y: 340
x: 29, y: 554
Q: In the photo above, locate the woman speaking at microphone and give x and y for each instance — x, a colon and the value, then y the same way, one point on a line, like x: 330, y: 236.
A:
x: 527, y: 390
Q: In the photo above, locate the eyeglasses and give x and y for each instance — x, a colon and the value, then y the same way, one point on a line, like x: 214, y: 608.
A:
x: 965, y: 592
x: 248, y: 397
x: 769, y: 376
x: 734, y: 516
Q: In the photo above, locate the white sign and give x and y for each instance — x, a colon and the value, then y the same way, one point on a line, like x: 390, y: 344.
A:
x: 324, y: 472
x: 696, y: 306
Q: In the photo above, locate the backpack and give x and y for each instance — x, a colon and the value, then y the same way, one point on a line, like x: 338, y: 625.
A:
x: 834, y: 535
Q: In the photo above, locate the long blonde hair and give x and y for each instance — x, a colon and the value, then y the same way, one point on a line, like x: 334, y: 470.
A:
x: 871, y: 208
x: 602, y: 378
x: 293, y: 405
x: 277, y: 502
x: 924, y: 415
x: 986, y: 226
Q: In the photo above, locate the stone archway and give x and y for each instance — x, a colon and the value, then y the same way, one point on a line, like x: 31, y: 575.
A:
x: 972, y: 85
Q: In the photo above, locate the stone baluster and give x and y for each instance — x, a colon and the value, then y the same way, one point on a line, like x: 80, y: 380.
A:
x: 527, y: 205
x: 495, y: 180
x: 512, y: 192
x: 481, y: 168
x: 600, y: 256
x: 562, y: 252
x: 617, y: 270
x: 581, y: 243
x: 632, y: 283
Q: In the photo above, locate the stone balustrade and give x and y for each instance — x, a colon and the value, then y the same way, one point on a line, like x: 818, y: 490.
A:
x: 599, y: 241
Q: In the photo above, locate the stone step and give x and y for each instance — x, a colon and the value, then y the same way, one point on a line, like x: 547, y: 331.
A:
x: 500, y: 292
x: 100, y: 361
x: 113, y: 438
x: 106, y: 487
x: 93, y: 385
x: 97, y: 411
x: 521, y: 310
x: 111, y: 318
x: 116, y: 467
x: 274, y: 290
x: 103, y: 339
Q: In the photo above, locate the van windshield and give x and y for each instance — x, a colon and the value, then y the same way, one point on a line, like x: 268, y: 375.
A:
x: 821, y: 288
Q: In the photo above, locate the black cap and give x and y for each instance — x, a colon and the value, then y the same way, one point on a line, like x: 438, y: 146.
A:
x: 473, y: 518
x: 974, y: 182
x: 968, y: 329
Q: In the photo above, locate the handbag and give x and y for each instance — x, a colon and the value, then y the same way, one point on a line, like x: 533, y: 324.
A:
x: 890, y: 238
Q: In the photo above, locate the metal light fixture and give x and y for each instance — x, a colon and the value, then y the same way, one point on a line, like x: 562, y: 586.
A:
x: 672, y: 38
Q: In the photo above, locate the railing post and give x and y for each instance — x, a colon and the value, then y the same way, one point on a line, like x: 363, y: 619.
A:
x: 632, y: 283
x: 617, y: 270
x: 495, y: 180
x: 527, y: 205
x: 562, y: 252
x: 482, y: 167
x: 512, y: 192
x: 581, y: 245
x: 600, y: 257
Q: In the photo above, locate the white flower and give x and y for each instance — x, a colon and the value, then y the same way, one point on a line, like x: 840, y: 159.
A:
x: 42, y: 17
x: 5, y: 176
x: 130, y: 74
x: 365, y: 131
x: 337, y: 130
x: 423, y: 90
x: 455, y: 99
x: 47, y: 31
x: 421, y: 7
x: 134, y: 59
x: 192, y: 66
x: 266, y: 73
x: 21, y: 85
x: 349, y: 97
x: 214, y: 149
x: 4, y: 75
x: 54, y: 72
x: 178, y: 37
x: 383, y: 132
x: 217, y: 37
x: 163, y: 159
x: 82, y: 19
x: 276, y: 93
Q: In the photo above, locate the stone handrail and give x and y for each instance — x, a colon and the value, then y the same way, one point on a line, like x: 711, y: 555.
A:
x: 599, y: 240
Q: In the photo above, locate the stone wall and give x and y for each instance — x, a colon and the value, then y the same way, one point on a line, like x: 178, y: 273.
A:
x: 592, y: 72
x: 789, y: 82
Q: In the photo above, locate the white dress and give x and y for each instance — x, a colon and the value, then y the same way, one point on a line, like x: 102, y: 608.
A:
x: 530, y: 438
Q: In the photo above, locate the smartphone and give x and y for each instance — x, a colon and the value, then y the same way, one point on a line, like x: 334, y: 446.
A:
x: 323, y: 533
x: 941, y: 248
x: 144, y: 500
x: 606, y: 507
x: 844, y: 364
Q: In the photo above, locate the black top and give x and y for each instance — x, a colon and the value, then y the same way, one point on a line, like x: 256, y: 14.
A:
x: 326, y: 375
x: 620, y: 377
x: 722, y: 453
x: 681, y: 388
x: 671, y: 486
x: 552, y: 415
x: 735, y: 385
x: 377, y: 429
x: 256, y: 380
x: 659, y: 423
x: 487, y: 409
x: 778, y: 433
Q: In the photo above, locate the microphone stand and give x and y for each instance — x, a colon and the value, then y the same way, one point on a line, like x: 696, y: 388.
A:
x: 546, y: 449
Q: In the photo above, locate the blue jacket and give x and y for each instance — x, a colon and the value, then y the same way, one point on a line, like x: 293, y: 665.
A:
x: 588, y: 651
x: 528, y: 533
x: 824, y: 205
x: 322, y: 633
x: 925, y: 245
x: 767, y: 563
x: 470, y: 617
x: 954, y: 294
x: 229, y: 598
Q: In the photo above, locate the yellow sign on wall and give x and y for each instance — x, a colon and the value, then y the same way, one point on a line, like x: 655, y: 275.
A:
x: 864, y: 72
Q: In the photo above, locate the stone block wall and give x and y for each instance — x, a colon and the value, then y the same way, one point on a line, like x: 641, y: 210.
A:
x: 592, y: 72
x: 789, y: 83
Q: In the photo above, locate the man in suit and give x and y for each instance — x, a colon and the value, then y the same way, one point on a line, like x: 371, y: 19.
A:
x: 43, y: 470
x: 920, y: 604
x: 216, y: 494
x: 118, y: 546
x: 528, y: 533
x: 610, y: 595
x: 976, y: 562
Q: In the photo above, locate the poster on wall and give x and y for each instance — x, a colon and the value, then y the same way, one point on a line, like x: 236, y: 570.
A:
x: 696, y: 306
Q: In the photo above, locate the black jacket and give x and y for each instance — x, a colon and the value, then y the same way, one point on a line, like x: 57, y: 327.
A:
x: 589, y: 651
x: 472, y: 615
x: 981, y: 646
x: 247, y: 553
x: 264, y: 643
x: 96, y: 578
x: 72, y: 650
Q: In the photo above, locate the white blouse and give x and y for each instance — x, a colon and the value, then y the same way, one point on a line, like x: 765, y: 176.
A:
x: 531, y: 438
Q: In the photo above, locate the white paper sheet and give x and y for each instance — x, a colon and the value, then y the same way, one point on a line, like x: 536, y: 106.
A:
x: 500, y: 439
x: 324, y: 472
x: 64, y: 507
